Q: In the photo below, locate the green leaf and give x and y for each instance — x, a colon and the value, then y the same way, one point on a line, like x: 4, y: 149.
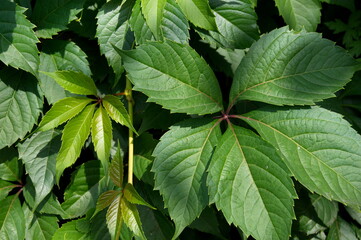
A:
x: 199, y: 13
x: 60, y: 55
x: 74, y: 82
x: 69, y: 231
x: 113, y: 30
x: 300, y: 13
x: 75, y: 133
x: 208, y: 223
x: 62, y: 111
x: 341, y: 230
x: 236, y: 23
x: 12, y: 219
x: 17, y: 38
x: 98, y: 227
x: 38, y: 153
x: 39, y: 227
x: 133, y: 197
x: 142, y: 32
x: 355, y: 214
x: 82, y: 194
x: 5, y: 188
x: 180, y: 80
x: 131, y: 217
x: 287, y: 68
x: 174, y: 23
x: 52, y: 16
x: 20, y: 105
x: 10, y: 169
x: 116, y: 171
x: 180, y: 164
x: 105, y: 199
x: 153, y: 14
x: 318, y: 146
x: 114, y: 218
x: 251, y: 185
x: 117, y: 111
x: 326, y: 210
x: 102, y: 135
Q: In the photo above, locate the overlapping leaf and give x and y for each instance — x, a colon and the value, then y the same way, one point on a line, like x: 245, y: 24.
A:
x: 59, y: 55
x: 199, y: 13
x: 69, y: 231
x: 5, y: 188
x: 319, y: 147
x: 180, y: 166
x: 326, y: 210
x: 52, y: 16
x: 131, y: 217
x: 113, y: 30
x: 114, y: 217
x: 38, y: 153
x: 180, y: 80
x: 12, y: 219
x: 250, y: 184
x: 287, y: 68
x: 341, y: 230
x: 300, y: 13
x: 10, y: 167
x: 74, y: 135
x: 116, y: 172
x: 17, y: 39
x: 20, y: 105
x: 139, y: 26
x: 153, y: 14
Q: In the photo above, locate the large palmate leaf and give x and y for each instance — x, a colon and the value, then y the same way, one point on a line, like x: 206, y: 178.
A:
x: 12, y: 220
x: 300, y: 13
x: 102, y: 135
x: 113, y: 30
x: 251, y: 185
x: 174, y: 23
x: 17, y: 39
x: 319, y: 147
x: 82, y: 194
x: 74, y: 82
x: 59, y: 55
x: 52, y: 16
x: 153, y: 14
x: 62, y: 111
x: 20, y: 105
x: 38, y: 153
x: 75, y: 133
x: 286, y: 68
x: 181, y: 159
x: 199, y: 13
x: 236, y: 22
x: 180, y: 80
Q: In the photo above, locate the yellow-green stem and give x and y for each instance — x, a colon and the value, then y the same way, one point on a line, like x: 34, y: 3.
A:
x: 128, y: 94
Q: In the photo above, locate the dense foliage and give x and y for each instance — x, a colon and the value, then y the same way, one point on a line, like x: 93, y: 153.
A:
x: 239, y: 119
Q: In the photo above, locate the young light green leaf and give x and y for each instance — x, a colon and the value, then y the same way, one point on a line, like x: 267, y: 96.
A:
x: 180, y: 164
x: 341, y: 230
x: 60, y: 55
x: 116, y: 171
x: 38, y: 153
x: 17, y: 38
x: 105, y: 199
x: 113, y: 29
x: 300, y: 13
x: 133, y: 197
x: 75, y: 133
x: 10, y: 167
x: 53, y: 16
x: 318, y: 146
x: 199, y: 13
x: 114, y: 217
x: 12, y: 219
x: 142, y: 32
x: 20, y: 105
x: 117, y: 111
x: 62, y: 111
x: 291, y: 68
x: 180, y: 80
x: 131, y: 217
x: 74, y: 82
x: 153, y: 14
x: 69, y: 231
x: 326, y: 210
x: 251, y: 185
x: 102, y: 135
x: 82, y: 194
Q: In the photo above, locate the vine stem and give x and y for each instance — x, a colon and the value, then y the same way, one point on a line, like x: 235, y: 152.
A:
x: 128, y: 94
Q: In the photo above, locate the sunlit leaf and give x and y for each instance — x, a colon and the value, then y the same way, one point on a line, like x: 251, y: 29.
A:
x: 131, y: 217
x: 133, y: 197
x: 12, y: 219
x: 199, y: 13
x: 153, y: 14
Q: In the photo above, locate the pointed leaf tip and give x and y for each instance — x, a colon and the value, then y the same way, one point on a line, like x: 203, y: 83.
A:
x: 133, y: 197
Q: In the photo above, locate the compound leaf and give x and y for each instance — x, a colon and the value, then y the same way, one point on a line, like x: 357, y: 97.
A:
x: 251, y: 185
x: 180, y: 164
x: 180, y: 80
x: 318, y: 146
x: 62, y: 111
x: 17, y: 38
x: 12, y: 219
x: 75, y: 133
x: 287, y: 68
x: 105, y: 199
x: 74, y: 82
